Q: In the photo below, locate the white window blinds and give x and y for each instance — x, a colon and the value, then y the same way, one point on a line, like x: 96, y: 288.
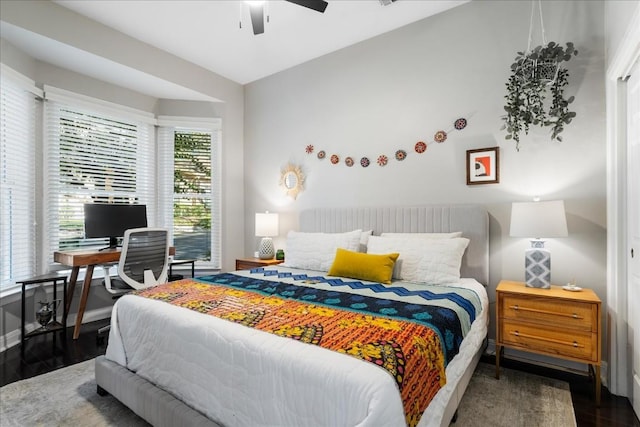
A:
x: 93, y: 155
x: 189, y: 187
x: 17, y: 180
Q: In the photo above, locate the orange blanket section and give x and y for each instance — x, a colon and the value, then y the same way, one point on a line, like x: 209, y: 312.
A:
x: 410, y: 352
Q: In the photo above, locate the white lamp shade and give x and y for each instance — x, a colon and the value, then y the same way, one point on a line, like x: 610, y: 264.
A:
x: 538, y: 219
x: 266, y: 224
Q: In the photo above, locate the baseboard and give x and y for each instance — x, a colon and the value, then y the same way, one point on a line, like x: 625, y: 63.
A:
x: 547, y: 362
x: 13, y: 338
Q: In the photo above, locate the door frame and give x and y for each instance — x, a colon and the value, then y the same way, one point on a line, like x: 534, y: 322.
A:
x: 625, y: 56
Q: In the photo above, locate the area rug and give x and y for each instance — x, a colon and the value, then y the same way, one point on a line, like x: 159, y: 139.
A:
x: 67, y: 397
x: 516, y: 399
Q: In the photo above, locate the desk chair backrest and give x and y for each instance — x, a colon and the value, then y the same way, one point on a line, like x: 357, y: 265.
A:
x: 144, y: 260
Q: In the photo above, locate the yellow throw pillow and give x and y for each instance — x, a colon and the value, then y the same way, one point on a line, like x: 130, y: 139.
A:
x: 358, y: 265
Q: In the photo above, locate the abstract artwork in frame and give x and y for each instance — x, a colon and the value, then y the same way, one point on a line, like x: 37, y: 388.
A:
x: 483, y: 166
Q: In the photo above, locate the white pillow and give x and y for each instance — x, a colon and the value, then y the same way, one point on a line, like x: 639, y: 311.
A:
x: 434, y: 261
x: 424, y: 235
x: 316, y: 251
x: 364, y: 239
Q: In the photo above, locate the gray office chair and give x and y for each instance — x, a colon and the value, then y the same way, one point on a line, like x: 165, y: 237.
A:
x: 144, y: 261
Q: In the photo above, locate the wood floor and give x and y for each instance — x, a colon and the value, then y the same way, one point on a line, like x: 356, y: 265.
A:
x: 40, y: 358
x: 614, y: 411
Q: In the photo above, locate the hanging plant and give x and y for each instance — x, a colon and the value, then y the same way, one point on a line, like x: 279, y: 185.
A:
x: 535, y: 75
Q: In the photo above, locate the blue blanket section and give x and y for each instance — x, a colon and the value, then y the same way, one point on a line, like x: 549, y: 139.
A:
x: 443, y: 321
x: 377, y: 288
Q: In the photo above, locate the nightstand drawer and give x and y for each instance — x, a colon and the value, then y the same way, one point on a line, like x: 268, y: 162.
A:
x: 250, y: 263
x: 243, y: 265
x: 553, y: 342
x: 566, y: 314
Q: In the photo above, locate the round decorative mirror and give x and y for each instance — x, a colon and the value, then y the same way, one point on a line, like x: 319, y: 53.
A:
x: 292, y: 180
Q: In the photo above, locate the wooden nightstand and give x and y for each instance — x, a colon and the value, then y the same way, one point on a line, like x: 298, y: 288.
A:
x: 552, y: 322
x: 249, y: 263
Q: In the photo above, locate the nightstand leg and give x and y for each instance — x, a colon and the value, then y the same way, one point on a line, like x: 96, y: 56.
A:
x: 498, y: 350
x: 598, y: 386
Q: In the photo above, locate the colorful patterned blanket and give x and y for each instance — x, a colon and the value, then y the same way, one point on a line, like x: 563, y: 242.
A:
x: 412, y: 342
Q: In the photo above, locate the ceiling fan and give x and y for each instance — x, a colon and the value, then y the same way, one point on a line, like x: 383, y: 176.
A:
x: 256, y: 9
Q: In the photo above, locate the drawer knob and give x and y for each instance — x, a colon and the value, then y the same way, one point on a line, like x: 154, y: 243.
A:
x: 575, y: 315
x: 516, y: 333
x: 515, y: 307
x: 575, y: 344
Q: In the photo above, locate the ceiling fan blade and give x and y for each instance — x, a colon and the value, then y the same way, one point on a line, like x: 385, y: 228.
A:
x: 317, y: 5
x: 257, y: 18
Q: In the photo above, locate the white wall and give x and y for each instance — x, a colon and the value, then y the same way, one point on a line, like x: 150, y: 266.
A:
x: 618, y: 14
x: 387, y: 93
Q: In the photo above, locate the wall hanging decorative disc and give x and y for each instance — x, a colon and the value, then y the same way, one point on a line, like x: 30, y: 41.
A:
x: 420, y: 147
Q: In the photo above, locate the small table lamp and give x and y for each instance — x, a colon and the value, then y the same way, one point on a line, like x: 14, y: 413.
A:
x: 266, y: 227
x: 538, y: 220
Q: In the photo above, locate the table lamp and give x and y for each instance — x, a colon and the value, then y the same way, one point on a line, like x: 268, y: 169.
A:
x: 538, y: 220
x: 266, y: 227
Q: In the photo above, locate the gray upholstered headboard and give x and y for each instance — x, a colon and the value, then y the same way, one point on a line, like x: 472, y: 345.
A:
x: 472, y: 220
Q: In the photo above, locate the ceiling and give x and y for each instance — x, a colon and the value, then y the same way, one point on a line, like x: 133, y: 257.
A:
x: 217, y: 35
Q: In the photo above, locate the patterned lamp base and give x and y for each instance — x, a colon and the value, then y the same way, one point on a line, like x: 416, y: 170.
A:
x: 266, y: 249
x: 537, y: 264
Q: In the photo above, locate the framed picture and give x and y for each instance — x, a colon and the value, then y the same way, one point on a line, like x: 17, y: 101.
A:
x: 483, y: 166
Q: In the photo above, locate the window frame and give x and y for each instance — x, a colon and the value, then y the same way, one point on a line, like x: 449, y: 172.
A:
x: 59, y: 99
x: 167, y: 126
x: 42, y: 259
x: 18, y: 112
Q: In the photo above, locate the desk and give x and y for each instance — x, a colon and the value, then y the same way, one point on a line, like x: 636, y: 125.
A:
x: 85, y: 258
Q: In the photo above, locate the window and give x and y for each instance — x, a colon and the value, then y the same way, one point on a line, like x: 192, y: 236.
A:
x: 189, y: 189
x: 17, y: 178
x: 93, y: 155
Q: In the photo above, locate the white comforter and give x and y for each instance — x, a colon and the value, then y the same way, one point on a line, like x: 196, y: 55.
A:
x: 240, y: 376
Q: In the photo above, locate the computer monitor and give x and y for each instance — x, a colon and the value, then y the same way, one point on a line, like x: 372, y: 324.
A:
x: 109, y: 220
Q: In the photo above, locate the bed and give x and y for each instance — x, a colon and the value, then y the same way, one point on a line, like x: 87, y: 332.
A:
x: 177, y: 366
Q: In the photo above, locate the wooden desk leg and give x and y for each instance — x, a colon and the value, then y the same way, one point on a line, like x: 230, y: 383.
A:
x: 83, y: 300
x: 70, y: 290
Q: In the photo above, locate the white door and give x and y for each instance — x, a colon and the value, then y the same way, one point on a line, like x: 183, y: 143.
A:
x: 633, y: 218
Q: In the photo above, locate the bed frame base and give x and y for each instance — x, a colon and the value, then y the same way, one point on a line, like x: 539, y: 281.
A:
x: 151, y: 403
x: 160, y: 408
x: 101, y: 391
x: 451, y: 410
